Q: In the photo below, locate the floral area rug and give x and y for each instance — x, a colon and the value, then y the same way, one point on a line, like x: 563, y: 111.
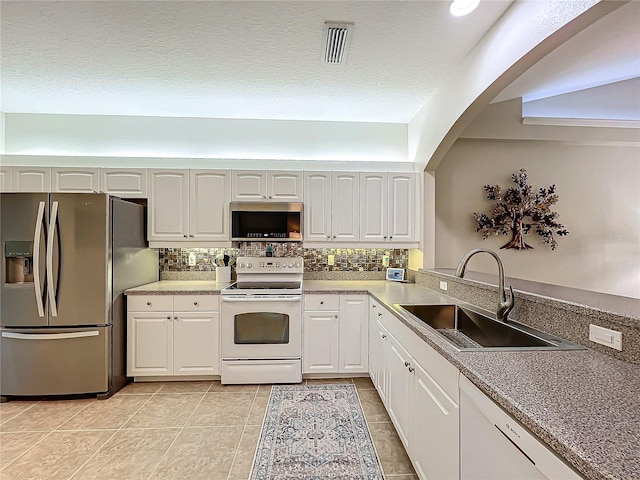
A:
x: 315, y: 432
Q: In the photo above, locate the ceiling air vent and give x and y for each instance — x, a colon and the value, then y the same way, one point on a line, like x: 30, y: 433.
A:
x: 336, y: 38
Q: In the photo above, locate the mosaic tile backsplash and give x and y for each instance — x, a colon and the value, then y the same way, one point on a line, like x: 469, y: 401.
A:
x: 315, y: 259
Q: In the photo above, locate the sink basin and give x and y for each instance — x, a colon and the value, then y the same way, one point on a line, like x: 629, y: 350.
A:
x: 468, y: 328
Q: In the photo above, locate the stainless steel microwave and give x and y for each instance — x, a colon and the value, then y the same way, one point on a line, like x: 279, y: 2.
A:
x: 255, y: 221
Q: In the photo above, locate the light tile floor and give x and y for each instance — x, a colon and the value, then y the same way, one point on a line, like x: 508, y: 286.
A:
x: 175, y: 430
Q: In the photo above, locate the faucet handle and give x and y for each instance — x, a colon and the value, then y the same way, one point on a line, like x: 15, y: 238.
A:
x: 506, y: 306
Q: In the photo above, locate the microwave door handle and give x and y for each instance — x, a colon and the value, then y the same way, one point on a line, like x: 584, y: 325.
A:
x: 52, y: 233
x: 37, y: 284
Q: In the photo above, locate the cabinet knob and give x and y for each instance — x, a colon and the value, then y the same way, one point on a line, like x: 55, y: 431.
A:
x: 385, y: 237
x: 383, y: 335
x: 322, y: 303
x: 184, y: 236
x: 328, y: 236
x: 264, y: 196
x: 149, y: 303
x: 390, y: 237
x: 270, y: 196
x: 379, y: 314
x: 406, y: 364
x: 336, y: 316
x: 168, y: 318
x: 175, y: 318
x: 411, y: 369
x: 373, y: 306
x: 191, y: 236
x: 334, y: 236
x: 195, y: 303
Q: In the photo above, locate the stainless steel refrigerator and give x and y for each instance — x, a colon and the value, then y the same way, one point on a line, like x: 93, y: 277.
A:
x: 67, y: 259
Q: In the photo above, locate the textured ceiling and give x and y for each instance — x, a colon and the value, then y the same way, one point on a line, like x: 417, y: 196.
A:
x: 231, y: 59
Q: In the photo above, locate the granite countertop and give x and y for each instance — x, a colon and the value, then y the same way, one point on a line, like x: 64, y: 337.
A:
x: 582, y: 403
x: 178, y: 287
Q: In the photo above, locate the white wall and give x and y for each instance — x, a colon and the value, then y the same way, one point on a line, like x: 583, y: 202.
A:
x: 598, y: 184
x: 122, y: 136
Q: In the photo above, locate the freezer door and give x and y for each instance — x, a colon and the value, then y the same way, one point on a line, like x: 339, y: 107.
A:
x: 79, y: 254
x: 24, y: 217
x: 54, y: 361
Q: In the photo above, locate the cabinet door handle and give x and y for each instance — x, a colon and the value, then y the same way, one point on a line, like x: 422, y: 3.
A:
x: 411, y: 369
x: 406, y: 364
x: 379, y: 314
x: 383, y: 335
x: 149, y: 303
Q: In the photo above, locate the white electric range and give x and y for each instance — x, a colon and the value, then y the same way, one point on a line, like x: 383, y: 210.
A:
x: 261, y: 318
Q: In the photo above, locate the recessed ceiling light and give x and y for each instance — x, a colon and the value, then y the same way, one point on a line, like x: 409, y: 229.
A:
x: 462, y: 7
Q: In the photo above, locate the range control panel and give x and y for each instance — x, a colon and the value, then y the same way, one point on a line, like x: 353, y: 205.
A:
x: 269, y: 264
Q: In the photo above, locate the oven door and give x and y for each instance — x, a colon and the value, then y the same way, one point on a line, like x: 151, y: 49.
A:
x: 261, y: 327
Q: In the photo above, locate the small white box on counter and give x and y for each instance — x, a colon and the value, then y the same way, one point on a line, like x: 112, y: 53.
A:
x: 395, y: 274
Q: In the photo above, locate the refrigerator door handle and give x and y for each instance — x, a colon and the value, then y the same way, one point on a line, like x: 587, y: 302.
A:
x: 52, y: 233
x: 50, y: 336
x: 36, y: 259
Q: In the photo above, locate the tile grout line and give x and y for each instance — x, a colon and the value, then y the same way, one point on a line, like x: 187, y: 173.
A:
x: 244, y: 428
x: 204, y: 394
x: 113, y: 435
x: 366, y: 422
x: 48, y: 432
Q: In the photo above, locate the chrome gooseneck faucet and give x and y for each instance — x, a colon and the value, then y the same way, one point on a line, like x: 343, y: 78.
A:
x: 504, y: 306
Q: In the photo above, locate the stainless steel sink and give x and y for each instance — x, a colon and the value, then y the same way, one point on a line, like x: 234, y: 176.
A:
x: 467, y: 328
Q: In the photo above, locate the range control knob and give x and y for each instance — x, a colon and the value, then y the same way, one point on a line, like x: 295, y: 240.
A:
x: 297, y: 265
x: 249, y: 265
x: 291, y: 265
x: 241, y: 265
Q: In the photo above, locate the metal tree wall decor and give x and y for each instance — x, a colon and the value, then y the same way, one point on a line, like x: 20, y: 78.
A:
x: 519, y: 210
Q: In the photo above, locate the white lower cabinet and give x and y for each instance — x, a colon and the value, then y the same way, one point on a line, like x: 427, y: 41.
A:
x: 173, y: 335
x: 335, y: 334
x: 420, y: 391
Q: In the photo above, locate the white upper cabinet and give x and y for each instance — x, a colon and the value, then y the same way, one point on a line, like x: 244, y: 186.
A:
x: 317, y: 206
x: 168, y: 208
x: 124, y: 182
x: 209, y: 194
x: 249, y: 185
x: 6, y: 180
x: 75, y: 179
x: 373, y: 207
x: 188, y: 205
x: 402, y: 199
x: 284, y: 186
x: 345, y: 201
x: 31, y: 179
x: 261, y: 186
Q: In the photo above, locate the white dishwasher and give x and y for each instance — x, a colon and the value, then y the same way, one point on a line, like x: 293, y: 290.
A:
x: 494, y: 446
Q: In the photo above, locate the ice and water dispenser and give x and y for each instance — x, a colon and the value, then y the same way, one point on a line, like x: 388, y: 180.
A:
x: 18, y: 256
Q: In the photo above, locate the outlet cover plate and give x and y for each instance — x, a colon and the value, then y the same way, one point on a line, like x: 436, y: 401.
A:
x: 605, y: 336
x: 443, y: 285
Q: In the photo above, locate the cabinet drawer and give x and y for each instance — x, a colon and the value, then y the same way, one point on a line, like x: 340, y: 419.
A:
x: 149, y: 303
x: 321, y: 302
x: 196, y: 303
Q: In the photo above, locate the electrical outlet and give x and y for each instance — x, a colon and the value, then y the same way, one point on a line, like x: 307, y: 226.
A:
x: 361, y: 269
x: 443, y: 285
x: 605, y: 336
x: 192, y: 259
x: 331, y: 260
x: 385, y: 260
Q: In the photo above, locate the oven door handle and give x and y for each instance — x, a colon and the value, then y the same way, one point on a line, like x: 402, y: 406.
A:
x: 250, y: 298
